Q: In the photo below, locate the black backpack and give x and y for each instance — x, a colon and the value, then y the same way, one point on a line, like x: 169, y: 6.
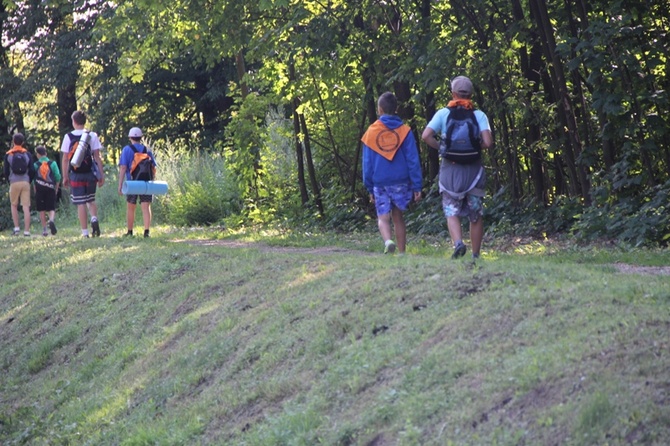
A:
x: 142, y: 168
x: 461, y: 142
x: 19, y: 164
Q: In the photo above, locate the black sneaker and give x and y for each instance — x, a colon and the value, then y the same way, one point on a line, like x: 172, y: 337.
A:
x: 146, y: 233
x: 129, y: 233
x: 459, y: 251
x: 95, y: 228
x: 52, y: 227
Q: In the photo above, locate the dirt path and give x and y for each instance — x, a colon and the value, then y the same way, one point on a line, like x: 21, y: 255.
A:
x: 623, y: 268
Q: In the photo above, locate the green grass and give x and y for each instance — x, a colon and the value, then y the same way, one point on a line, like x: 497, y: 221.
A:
x: 273, y: 337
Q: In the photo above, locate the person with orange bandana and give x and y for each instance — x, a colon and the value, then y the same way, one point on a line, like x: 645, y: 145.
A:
x: 391, y: 171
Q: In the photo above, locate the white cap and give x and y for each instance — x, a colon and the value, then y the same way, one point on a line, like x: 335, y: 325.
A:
x: 135, y: 132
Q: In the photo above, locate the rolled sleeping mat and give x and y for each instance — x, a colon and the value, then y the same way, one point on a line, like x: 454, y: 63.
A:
x: 144, y: 188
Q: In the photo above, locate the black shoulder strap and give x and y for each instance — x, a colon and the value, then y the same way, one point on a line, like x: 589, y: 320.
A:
x: 132, y: 146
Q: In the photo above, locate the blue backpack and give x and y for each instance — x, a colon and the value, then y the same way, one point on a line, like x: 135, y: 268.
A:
x: 461, y: 141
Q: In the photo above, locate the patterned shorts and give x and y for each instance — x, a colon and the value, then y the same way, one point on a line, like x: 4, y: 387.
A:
x: 82, y: 192
x: 471, y: 206
x: 387, y: 197
x: 132, y: 199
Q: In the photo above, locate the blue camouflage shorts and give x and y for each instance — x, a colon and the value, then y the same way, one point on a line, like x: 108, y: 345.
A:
x: 387, y: 197
x: 470, y: 206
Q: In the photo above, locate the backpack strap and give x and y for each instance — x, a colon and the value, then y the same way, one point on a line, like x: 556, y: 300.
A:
x: 132, y: 146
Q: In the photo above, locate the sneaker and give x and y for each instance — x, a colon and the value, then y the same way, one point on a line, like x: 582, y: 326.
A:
x: 389, y: 247
x: 459, y: 250
x: 129, y: 233
x: 146, y: 233
x: 95, y: 228
x: 16, y: 232
x: 45, y: 233
x: 52, y: 227
x: 26, y: 234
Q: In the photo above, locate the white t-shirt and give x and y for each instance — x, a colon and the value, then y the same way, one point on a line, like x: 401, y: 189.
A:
x: 94, y: 142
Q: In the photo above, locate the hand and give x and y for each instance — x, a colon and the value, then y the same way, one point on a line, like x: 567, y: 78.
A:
x: 120, y: 188
x: 101, y: 181
x: 66, y: 181
x: 417, y: 196
x: 372, y: 198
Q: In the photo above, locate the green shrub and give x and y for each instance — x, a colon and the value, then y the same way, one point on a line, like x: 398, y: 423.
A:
x: 201, y: 190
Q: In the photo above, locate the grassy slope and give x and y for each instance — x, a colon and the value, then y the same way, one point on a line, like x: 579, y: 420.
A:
x: 115, y: 341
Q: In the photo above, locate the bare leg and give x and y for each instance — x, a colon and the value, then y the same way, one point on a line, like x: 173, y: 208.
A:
x: 92, y: 209
x: 43, y: 219
x: 130, y: 215
x: 26, y: 218
x: 146, y: 214
x: 476, y: 235
x: 400, y: 229
x: 384, y: 224
x: 81, y: 213
x: 455, y: 231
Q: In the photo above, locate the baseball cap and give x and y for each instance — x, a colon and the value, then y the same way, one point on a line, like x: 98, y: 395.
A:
x: 462, y: 85
x: 135, y: 132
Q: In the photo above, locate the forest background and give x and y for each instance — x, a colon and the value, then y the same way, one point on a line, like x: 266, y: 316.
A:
x: 266, y: 102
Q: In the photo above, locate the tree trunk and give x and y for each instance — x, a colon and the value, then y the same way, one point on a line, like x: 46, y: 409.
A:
x: 316, y: 189
x: 578, y: 179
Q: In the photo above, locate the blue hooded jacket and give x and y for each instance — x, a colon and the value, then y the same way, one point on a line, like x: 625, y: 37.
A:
x: 405, y: 168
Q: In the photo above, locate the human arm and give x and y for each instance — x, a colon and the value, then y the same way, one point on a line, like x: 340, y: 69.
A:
x: 97, y: 159
x: 122, y: 177
x: 429, y: 137
x: 64, y: 169
x: 486, y: 139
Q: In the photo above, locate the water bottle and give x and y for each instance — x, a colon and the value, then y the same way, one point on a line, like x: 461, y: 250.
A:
x: 82, y: 148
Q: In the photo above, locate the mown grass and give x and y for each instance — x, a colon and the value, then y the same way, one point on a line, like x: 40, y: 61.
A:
x: 274, y: 338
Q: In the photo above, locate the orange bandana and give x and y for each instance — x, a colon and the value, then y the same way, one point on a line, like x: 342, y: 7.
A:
x: 16, y: 149
x: 44, y: 170
x: 465, y: 103
x: 383, y: 140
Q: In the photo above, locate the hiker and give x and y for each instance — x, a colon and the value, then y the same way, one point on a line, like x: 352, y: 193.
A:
x: 391, y: 171
x: 137, y: 163
x: 17, y: 168
x: 84, y: 178
x: 462, y: 178
x: 47, y: 180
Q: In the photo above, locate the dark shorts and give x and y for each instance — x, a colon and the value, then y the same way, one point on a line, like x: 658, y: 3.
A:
x: 45, y: 199
x: 132, y: 199
x: 82, y: 188
x: 387, y: 197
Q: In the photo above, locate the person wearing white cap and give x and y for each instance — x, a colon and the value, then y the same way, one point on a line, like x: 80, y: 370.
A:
x: 133, y: 158
x: 462, y: 177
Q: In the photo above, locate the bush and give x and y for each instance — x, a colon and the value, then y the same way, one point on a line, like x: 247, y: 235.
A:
x: 201, y: 190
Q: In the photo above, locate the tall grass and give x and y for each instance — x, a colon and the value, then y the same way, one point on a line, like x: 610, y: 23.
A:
x: 202, y: 191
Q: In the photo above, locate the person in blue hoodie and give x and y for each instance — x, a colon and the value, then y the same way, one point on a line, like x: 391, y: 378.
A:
x: 391, y: 171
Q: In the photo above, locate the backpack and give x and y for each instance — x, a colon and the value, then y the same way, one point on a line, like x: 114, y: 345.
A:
x: 461, y: 142
x: 87, y: 163
x: 19, y: 164
x: 45, y: 175
x: 142, y: 167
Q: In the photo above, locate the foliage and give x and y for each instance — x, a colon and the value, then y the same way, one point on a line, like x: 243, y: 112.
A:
x: 575, y: 95
x: 202, y: 190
